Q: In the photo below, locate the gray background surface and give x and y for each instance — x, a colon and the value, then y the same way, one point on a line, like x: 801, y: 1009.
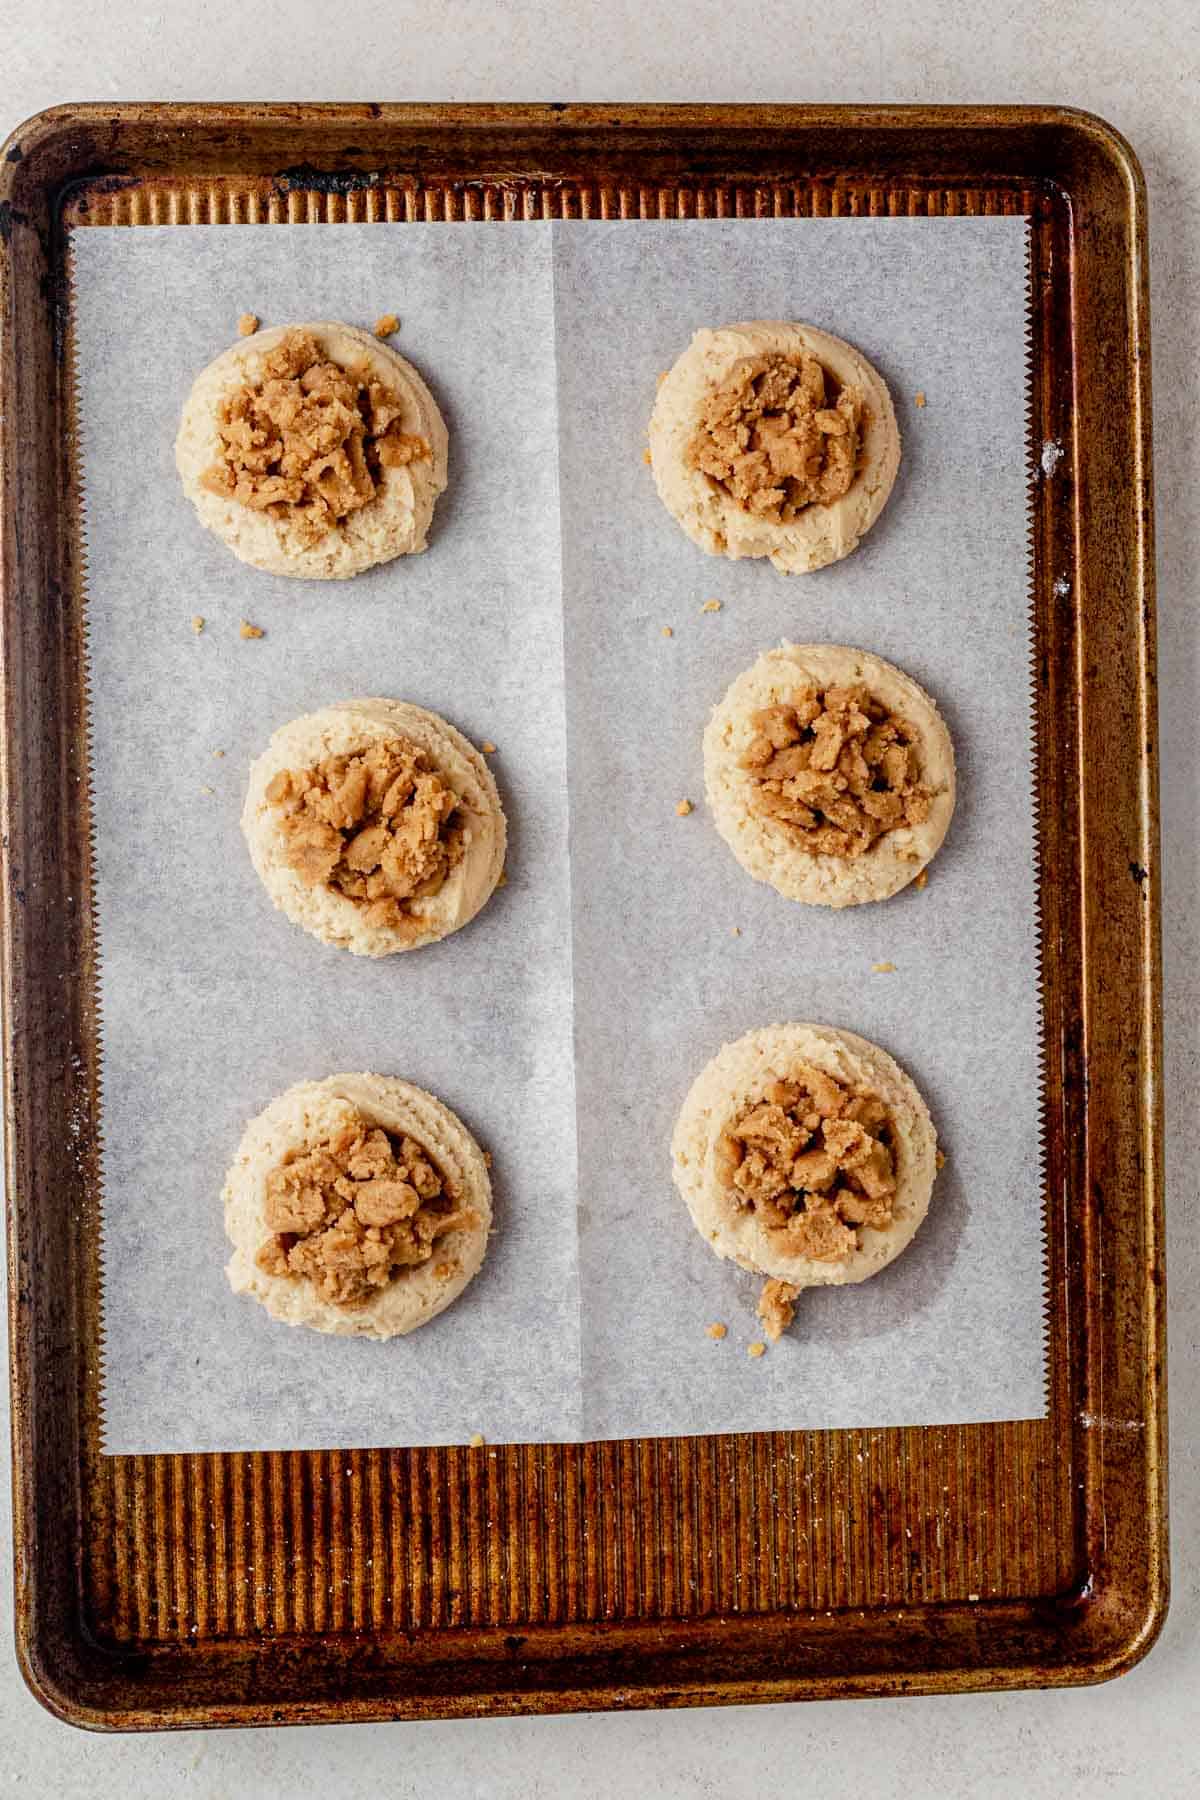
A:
x: 1136, y: 64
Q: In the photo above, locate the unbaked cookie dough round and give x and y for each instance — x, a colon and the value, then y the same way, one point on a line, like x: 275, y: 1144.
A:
x: 313, y: 450
x: 375, y: 825
x: 830, y: 774
x: 359, y: 1206
x: 774, y: 439
x: 806, y: 1154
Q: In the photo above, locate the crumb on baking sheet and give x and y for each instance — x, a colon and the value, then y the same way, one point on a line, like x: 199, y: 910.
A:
x: 813, y: 1161
x: 647, y: 458
x: 883, y: 968
x: 197, y: 623
x: 717, y: 1331
x: 350, y: 1213
x: 684, y: 808
x: 777, y: 1307
x: 380, y: 827
x: 218, y: 754
x: 922, y: 880
x: 668, y: 631
x: 778, y: 434
x: 488, y: 748
x: 247, y: 324
x: 756, y: 1350
x: 307, y: 440
x: 711, y: 606
x: 834, y: 771
x: 208, y: 790
x: 735, y: 931
x: 247, y: 630
x: 476, y: 1440
x: 920, y: 397
x: 939, y: 1159
x: 386, y: 324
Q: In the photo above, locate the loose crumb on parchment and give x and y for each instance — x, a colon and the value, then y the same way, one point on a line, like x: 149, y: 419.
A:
x: 883, y: 968
x: 735, y: 931
x: 197, y: 623
x: 488, y: 748
x: 218, y: 753
x: 386, y: 324
x: 939, y: 1159
x: 247, y: 324
x: 717, y: 1331
x: 477, y: 1440
x: 647, y: 458
x: 920, y: 397
x: 757, y: 1350
x: 667, y: 631
x: 711, y: 606
x: 684, y: 808
x: 247, y: 630
x: 208, y: 790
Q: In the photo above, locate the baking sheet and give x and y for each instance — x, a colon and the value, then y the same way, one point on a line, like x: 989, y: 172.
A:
x: 566, y: 1022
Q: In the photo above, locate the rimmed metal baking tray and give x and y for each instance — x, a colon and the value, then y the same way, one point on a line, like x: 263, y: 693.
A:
x: 303, y: 1586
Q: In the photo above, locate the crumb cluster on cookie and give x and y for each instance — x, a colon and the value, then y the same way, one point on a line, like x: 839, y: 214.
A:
x: 835, y: 770
x: 806, y: 1155
x: 375, y: 825
x: 308, y: 440
x: 813, y: 1161
x: 359, y: 1205
x: 353, y: 1212
x: 829, y: 773
x: 313, y: 450
x: 772, y: 438
x: 380, y: 827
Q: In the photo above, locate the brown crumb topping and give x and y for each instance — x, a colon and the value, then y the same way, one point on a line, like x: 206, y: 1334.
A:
x: 310, y: 441
x: 352, y: 1213
x: 777, y: 1307
x: 835, y: 770
x: 813, y: 1162
x: 380, y: 827
x: 777, y: 435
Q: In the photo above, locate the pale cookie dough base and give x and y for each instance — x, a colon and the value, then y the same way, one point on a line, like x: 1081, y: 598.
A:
x: 711, y: 518
x: 341, y: 730
x: 395, y: 523
x: 311, y: 1112
x: 738, y: 1077
x: 764, y: 849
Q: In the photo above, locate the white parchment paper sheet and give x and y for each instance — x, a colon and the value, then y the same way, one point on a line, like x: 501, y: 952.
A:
x: 212, y: 1002
x: 953, y: 1330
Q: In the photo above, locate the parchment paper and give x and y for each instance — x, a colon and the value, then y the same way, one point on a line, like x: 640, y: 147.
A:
x: 566, y: 1023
